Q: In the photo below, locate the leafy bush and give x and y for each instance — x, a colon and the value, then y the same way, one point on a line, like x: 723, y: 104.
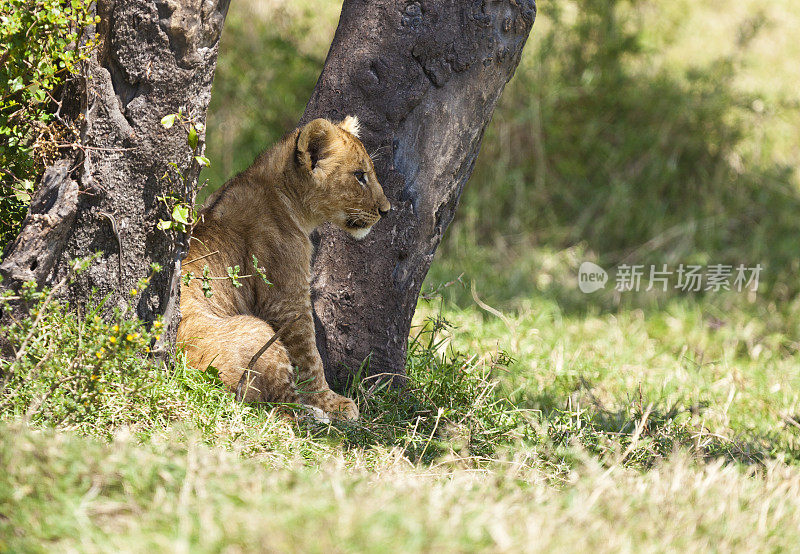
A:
x: 70, y: 370
x: 41, y: 41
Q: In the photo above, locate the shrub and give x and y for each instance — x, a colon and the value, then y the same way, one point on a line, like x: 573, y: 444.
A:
x: 41, y: 41
x: 71, y: 370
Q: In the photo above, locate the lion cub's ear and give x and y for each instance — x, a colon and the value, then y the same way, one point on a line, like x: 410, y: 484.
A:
x: 315, y: 145
x: 351, y: 125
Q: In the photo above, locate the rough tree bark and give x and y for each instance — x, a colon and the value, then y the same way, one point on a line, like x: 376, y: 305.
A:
x: 423, y: 77
x: 152, y: 59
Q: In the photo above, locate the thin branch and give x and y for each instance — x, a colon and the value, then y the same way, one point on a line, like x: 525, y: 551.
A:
x: 201, y: 257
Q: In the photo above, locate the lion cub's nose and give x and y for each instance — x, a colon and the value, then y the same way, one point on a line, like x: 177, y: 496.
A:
x: 383, y: 210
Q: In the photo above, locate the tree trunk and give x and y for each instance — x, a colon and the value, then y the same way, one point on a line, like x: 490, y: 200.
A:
x: 153, y: 58
x: 423, y: 77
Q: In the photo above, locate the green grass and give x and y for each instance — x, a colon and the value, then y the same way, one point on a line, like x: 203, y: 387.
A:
x: 59, y: 492
x: 726, y: 378
x: 598, y: 426
x: 583, y: 441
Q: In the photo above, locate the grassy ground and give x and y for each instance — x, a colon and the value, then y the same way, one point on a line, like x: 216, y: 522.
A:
x: 63, y: 493
x: 602, y: 433
x: 538, y: 417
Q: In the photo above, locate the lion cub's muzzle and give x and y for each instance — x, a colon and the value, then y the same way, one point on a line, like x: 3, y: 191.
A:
x: 361, y: 219
x: 360, y: 222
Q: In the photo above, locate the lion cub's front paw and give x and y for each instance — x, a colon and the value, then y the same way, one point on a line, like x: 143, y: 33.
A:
x: 336, y: 405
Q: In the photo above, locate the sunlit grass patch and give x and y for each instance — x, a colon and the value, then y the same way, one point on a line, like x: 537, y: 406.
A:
x: 72, y: 493
x: 705, y: 370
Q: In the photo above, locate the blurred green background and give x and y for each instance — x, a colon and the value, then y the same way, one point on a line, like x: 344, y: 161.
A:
x: 633, y: 131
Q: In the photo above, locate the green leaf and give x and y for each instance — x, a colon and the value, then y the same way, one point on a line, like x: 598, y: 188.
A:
x: 15, y: 84
x: 202, y: 160
x: 181, y: 214
x: 211, y: 375
x: 192, y: 137
x: 261, y: 271
x: 164, y: 225
x: 168, y: 120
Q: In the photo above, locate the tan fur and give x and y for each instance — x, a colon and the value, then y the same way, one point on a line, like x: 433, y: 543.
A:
x: 351, y: 125
x: 268, y: 210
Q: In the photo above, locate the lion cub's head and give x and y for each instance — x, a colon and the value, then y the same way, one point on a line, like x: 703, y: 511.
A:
x: 344, y: 189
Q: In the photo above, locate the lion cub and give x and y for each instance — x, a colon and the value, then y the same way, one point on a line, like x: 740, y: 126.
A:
x: 317, y: 173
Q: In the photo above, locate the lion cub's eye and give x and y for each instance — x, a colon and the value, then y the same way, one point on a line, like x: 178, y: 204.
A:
x: 361, y: 177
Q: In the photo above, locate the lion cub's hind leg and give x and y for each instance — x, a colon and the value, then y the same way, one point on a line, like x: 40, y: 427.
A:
x: 229, y: 343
